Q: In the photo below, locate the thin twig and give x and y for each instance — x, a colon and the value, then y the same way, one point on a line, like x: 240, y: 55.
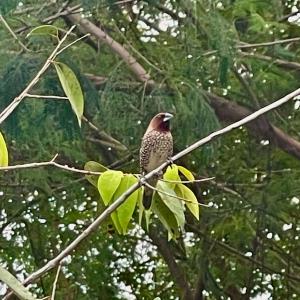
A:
x: 278, y: 42
x: 243, y: 45
x: 103, y: 135
x: 95, y: 224
x: 46, y: 97
x: 187, y: 181
x: 13, y: 34
x: 48, y: 20
x: 71, y: 44
x: 173, y: 196
x: 55, y: 282
x: 290, y: 65
x: 11, y: 107
x: 51, y: 162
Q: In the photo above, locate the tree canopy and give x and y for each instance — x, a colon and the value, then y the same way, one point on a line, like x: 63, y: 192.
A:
x: 210, y: 63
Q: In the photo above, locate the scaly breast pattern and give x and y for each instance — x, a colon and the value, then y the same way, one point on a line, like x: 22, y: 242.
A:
x: 156, y: 148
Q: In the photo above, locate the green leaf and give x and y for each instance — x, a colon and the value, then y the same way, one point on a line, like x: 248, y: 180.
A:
x: 165, y: 215
x: 108, y: 183
x: 15, y: 285
x: 44, y: 30
x: 125, y: 211
x: 171, y: 174
x: 3, y: 152
x: 172, y: 202
x: 148, y: 213
x: 94, y: 166
x: 187, y: 173
x: 192, y: 202
x: 71, y: 87
x: 115, y: 219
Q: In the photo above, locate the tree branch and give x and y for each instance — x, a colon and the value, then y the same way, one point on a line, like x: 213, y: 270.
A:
x: 229, y: 111
x: 175, y: 270
x: 85, y: 26
x: 289, y: 65
x: 277, y: 42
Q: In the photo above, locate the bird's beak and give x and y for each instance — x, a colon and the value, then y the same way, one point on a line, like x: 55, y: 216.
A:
x: 167, y: 117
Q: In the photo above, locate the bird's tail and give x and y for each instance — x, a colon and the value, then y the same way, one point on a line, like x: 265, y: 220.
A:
x: 148, y: 192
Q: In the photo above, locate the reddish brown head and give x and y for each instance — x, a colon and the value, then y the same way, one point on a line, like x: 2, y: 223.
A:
x: 160, y: 122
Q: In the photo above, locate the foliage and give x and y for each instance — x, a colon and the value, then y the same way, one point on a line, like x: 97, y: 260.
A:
x: 246, y: 244
x: 3, y: 152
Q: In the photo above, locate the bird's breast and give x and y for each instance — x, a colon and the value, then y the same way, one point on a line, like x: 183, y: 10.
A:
x: 156, y: 148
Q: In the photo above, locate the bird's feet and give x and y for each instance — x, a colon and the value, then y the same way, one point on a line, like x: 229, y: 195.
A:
x: 170, y: 161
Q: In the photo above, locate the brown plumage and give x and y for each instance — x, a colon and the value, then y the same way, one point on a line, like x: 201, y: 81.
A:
x: 156, y: 147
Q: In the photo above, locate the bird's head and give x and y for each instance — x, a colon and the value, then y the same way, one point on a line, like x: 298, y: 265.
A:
x: 160, y: 122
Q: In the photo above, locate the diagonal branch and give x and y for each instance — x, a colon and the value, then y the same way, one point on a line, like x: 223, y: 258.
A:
x: 229, y: 111
x: 85, y: 26
x: 288, y: 65
x: 12, y: 106
x: 94, y: 225
x: 13, y: 34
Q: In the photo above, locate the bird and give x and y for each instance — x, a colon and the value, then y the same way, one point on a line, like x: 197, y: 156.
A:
x: 156, y: 148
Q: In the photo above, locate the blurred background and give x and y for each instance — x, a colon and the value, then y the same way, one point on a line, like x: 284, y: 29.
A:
x: 208, y: 62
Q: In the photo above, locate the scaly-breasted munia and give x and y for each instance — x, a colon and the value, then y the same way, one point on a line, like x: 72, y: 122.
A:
x: 156, y: 148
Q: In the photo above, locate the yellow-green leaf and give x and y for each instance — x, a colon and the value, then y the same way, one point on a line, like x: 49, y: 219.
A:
x: 125, y: 211
x: 72, y: 88
x: 116, y: 221
x: 3, y: 152
x: 171, y: 174
x: 44, y: 30
x: 94, y: 166
x: 108, y: 183
x: 192, y: 202
x: 169, y: 197
x: 165, y: 215
x: 187, y: 173
x: 148, y: 214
